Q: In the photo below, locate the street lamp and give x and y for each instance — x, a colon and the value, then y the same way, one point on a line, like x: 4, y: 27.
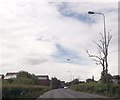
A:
x: 72, y: 74
x: 90, y: 12
x: 106, y: 49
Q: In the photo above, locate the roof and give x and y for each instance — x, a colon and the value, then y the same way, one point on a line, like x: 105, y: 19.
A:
x: 42, y: 77
x: 11, y: 74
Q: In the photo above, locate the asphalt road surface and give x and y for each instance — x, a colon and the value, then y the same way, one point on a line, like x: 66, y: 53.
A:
x: 67, y: 93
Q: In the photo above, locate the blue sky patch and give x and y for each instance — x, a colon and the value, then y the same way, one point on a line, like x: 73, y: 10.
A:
x: 63, y: 54
x: 67, y: 12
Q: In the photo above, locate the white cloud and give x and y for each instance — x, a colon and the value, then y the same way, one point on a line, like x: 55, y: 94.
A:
x: 31, y: 29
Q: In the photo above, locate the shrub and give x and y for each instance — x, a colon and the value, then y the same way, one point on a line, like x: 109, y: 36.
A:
x: 23, y: 91
x: 23, y: 78
x: 98, y: 88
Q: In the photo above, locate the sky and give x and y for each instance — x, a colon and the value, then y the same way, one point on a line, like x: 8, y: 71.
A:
x: 39, y: 37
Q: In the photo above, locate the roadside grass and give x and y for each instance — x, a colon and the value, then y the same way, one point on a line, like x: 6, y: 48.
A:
x: 23, y: 91
x: 98, y: 88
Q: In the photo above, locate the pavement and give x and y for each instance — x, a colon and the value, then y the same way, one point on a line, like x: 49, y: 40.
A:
x: 67, y: 93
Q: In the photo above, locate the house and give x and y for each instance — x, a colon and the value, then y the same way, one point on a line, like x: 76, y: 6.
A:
x: 68, y: 84
x: 43, y: 80
x: 81, y: 81
x: 1, y: 76
x: 62, y: 83
x: 116, y: 79
x: 10, y: 75
x: 89, y: 80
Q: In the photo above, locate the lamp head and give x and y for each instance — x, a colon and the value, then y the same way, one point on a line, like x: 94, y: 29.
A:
x: 91, y: 12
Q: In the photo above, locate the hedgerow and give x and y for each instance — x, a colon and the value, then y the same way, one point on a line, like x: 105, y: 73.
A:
x: 22, y: 91
x: 98, y: 88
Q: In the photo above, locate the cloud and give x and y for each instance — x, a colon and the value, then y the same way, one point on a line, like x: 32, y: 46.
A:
x: 39, y: 36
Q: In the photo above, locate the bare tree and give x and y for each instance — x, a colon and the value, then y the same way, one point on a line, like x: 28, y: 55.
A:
x: 100, y: 58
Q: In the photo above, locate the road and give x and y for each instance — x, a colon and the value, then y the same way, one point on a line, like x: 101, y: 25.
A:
x: 67, y: 93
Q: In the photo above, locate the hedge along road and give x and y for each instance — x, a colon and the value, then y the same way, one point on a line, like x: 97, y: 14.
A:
x: 67, y: 93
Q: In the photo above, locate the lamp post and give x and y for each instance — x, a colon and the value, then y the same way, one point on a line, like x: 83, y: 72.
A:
x: 72, y: 72
x: 71, y: 78
x: 105, y: 45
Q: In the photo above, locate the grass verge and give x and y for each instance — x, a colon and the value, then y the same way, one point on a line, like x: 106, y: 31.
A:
x: 98, y: 88
x: 22, y: 91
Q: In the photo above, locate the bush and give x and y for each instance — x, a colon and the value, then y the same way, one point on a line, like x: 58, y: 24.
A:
x: 23, y: 91
x: 115, y: 90
x: 98, y: 88
x: 23, y: 78
x: 55, y: 83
